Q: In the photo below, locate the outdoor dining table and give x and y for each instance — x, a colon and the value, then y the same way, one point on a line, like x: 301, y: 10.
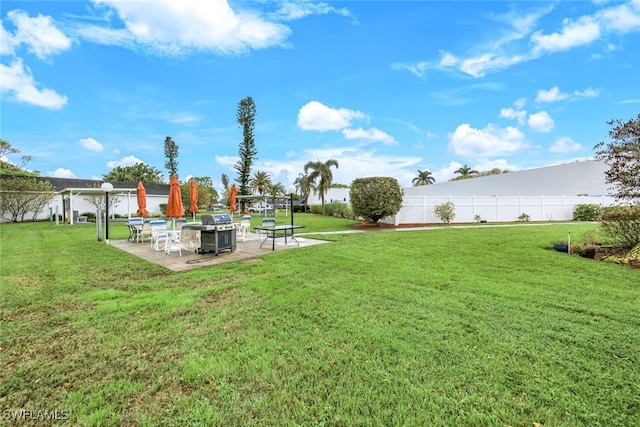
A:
x: 278, y: 231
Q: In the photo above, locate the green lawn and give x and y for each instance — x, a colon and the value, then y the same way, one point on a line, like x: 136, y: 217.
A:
x: 449, y: 326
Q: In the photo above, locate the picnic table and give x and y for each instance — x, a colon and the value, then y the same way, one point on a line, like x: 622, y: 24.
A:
x: 274, y: 232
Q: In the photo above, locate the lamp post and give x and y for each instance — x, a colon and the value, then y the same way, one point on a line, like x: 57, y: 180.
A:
x: 292, y: 190
x: 106, y: 187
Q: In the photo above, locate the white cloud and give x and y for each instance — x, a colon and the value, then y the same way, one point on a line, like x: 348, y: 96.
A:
x: 62, y: 173
x: 91, y: 144
x: 565, y: 145
x: 357, y: 163
x: 179, y: 27
x: 39, y: 34
x: 7, y: 42
x: 491, y: 141
x: 551, y: 95
x: 574, y: 33
x: 541, y: 122
x: 290, y: 10
x: 510, y: 113
x: 448, y: 59
x: 317, y: 116
x: 419, y: 69
x: 520, y: 103
x: 587, y: 93
x: 480, y: 65
x: 124, y: 162
x: 623, y: 18
x: 372, y: 134
x: 181, y: 118
x: 18, y: 82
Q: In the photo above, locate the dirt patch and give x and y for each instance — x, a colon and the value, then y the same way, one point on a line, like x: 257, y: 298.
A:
x: 250, y: 260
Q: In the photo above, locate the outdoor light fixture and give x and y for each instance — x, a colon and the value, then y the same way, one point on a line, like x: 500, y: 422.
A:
x: 106, y: 187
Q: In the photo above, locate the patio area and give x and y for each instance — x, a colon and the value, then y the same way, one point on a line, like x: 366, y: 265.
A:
x: 247, y: 251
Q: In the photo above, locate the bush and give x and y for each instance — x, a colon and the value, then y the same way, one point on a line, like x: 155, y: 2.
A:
x: 622, y: 224
x: 445, y: 212
x: 375, y: 197
x: 91, y: 216
x: 163, y: 208
x: 587, y: 212
x: 524, y: 217
x: 340, y: 209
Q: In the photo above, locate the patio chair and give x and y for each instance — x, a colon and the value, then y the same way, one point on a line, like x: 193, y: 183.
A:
x: 135, y: 227
x: 244, y: 227
x: 267, y: 222
x: 189, y: 238
x: 179, y: 223
x: 158, y: 233
x: 173, y: 241
x: 145, y: 230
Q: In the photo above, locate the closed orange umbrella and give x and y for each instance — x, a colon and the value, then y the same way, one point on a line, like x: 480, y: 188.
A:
x: 142, y: 200
x: 232, y: 199
x: 174, y: 205
x: 193, y: 198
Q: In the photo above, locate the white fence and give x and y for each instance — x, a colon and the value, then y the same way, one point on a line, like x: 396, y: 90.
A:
x: 419, y: 209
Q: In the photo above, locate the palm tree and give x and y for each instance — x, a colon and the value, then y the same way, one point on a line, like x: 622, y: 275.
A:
x: 465, y: 171
x: 259, y: 182
x: 273, y: 191
x: 304, y: 186
x: 322, y: 173
x: 423, y: 178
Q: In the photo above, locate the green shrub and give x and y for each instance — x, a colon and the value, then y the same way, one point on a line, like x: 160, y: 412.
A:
x: 91, y: 216
x: 622, y: 224
x: 374, y: 198
x: 587, y: 212
x: 524, y: 217
x: 339, y: 209
x: 445, y: 212
x: 163, y: 208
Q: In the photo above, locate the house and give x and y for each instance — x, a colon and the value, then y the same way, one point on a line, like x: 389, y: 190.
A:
x: 73, y: 198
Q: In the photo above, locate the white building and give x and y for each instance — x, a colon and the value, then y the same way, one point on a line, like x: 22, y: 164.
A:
x: 544, y: 194
x: 73, y: 198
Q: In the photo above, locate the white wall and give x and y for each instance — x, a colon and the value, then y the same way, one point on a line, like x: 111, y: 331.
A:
x: 545, y: 194
x: 420, y: 209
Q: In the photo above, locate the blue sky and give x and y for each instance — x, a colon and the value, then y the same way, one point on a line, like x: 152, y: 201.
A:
x: 386, y: 88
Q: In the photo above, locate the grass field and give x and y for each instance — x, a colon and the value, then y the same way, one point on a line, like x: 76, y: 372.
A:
x: 450, y: 326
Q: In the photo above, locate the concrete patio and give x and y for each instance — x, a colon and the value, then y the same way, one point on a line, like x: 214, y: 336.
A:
x: 247, y: 251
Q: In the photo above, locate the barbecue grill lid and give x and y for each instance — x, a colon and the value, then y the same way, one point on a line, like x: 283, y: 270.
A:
x: 216, y: 219
x: 222, y: 218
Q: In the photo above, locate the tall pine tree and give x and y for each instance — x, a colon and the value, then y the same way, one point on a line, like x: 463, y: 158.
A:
x: 246, y: 116
x: 171, y: 153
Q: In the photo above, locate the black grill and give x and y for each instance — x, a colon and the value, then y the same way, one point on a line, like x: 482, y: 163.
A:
x: 217, y: 233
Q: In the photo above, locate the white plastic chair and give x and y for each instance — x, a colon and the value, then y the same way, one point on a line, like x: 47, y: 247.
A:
x: 244, y: 226
x: 267, y: 222
x: 173, y: 241
x: 158, y: 233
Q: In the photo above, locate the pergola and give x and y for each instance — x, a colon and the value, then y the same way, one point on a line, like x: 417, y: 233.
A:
x: 70, y: 193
